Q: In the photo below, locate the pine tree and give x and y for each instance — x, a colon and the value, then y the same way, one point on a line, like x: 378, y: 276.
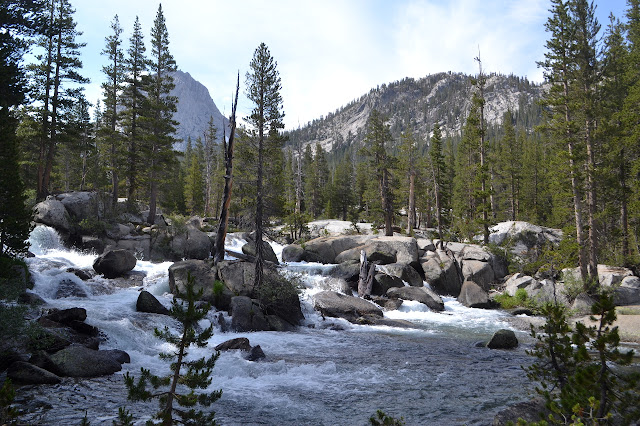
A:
x: 263, y: 89
x: 211, y: 167
x: 159, y: 107
x: 19, y: 20
x: 198, y: 372
x: 133, y: 99
x: 381, y: 163
x: 438, y: 175
x: 509, y: 160
x: 110, y: 132
x: 194, y: 190
x: 56, y: 79
x: 408, y: 162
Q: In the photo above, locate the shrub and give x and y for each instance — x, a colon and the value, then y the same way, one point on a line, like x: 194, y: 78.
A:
x: 521, y: 299
x: 14, y: 277
x: 382, y: 419
x: 198, y: 372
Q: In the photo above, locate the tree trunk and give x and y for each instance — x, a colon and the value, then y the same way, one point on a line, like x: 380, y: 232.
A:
x: 411, y: 216
x: 228, y: 182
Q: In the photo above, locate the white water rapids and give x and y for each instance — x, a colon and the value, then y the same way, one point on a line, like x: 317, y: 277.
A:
x: 329, y: 372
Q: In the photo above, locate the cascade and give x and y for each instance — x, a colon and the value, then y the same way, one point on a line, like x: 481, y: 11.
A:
x: 328, y: 372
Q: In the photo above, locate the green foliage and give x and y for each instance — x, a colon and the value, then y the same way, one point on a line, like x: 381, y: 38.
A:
x: 85, y: 420
x: 578, y: 371
x: 92, y: 226
x: 276, y: 293
x: 382, y: 419
x: 521, y: 299
x: 196, y: 376
x: 125, y: 418
x: 8, y: 413
x: 14, y: 278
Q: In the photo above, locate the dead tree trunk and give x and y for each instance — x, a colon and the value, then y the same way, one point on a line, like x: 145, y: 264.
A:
x: 365, y: 280
x: 228, y: 181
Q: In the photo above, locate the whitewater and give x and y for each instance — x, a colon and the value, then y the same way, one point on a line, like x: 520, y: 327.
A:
x: 328, y: 372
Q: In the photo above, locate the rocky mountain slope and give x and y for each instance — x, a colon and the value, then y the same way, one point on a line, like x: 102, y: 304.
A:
x: 195, y: 107
x: 418, y: 104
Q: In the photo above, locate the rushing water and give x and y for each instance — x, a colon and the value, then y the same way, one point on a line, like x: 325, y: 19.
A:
x: 330, y: 372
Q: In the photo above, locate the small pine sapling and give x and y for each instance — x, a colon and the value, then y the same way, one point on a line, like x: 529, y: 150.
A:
x: 196, y: 376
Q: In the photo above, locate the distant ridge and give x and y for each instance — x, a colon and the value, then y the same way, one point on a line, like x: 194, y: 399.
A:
x: 195, y: 107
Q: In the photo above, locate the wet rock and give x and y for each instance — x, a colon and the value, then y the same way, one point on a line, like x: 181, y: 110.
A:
x: 28, y: 374
x: 147, y: 302
x: 338, y: 305
x: 418, y: 294
x: 269, y: 254
x: 530, y: 411
x: 52, y: 212
x: 440, y: 271
x: 69, y: 288
x: 65, y: 316
x: 406, y: 272
x: 80, y: 361
x: 255, y: 354
x: 114, y: 263
x: 349, y: 271
x: 119, y: 355
x: 503, y: 339
x: 292, y: 253
x: 239, y: 343
x: 473, y: 296
x: 246, y: 315
x: 83, y: 275
x: 29, y: 298
x: 383, y: 282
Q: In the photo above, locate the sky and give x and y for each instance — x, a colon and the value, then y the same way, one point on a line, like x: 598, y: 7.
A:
x: 329, y: 52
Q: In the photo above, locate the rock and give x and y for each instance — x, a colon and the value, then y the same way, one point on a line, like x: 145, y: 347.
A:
x: 147, y: 302
x: 43, y: 360
x: 406, y: 272
x: 473, y: 296
x: 52, y: 212
x: 69, y: 288
x: 238, y: 277
x: 12, y: 351
x: 84, y: 328
x: 480, y: 272
x: 425, y: 244
x: 475, y: 252
x: 503, y: 339
x: 138, y: 244
x: 338, y: 305
x: 278, y: 324
x: 524, y: 237
x: 83, y: 275
x: 292, y: 253
x: 28, y: 298
x: 325, y: 249
x: 118, y: 231
x: 194, y: 244
x: 114, y: 263
x: 349, y: 271
x: 28, y: 374
x: 530, y: 411
x: 246, y: 315
x: 419, y: 294
x: 65, y: 316
x: 335, y: 284
x: 119, y: 355
x: 92, y: 244
x: 82, y: 204
x: 628, y: 293
x: 609, y: 276
x: 80, y: 361
x: 204, y: 277
x: 278, y: 296
x: 441, y: 273
x: 239, y: 343
x: 582, y: 304
x: 517, y: 281
x: 269, y: 254
x: 255, y: 354
x: 384, y: 282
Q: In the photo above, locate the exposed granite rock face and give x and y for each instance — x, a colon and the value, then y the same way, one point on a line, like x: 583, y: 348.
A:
x: 195, y: 108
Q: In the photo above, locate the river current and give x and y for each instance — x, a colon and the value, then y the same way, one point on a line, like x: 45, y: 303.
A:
x: 329, y: 372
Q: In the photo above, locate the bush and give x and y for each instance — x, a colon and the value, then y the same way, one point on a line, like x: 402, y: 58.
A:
x: 278, y: 294
x: 521, y: 299
x: 14, y: 277
x: 382, y: 419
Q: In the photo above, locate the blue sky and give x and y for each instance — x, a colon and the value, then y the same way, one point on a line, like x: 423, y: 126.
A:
x: 330, y: 52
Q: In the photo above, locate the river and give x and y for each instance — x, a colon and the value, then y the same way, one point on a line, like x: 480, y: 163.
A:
x: 329, y: 372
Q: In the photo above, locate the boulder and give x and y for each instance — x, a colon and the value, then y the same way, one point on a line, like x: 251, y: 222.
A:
x: 609, y: 276
x: 114, y: 263
x: 28, y: 374
x: 441, y: 273
x: 147, y: 302
x: 255, y: 354
x: 292, y: 253
x: 138, y: 244
x: 518, y: 281
x: 43, y: 360
x: 349, y: 271
x: 82, y: 204
x: 478, y: 271
x: 278, y: 296
x: 52, y: 212
x: 473, y: 296
x: 80, y: 361
x: 503, y: 339
x: 246, y: 315
x: 69, y: 288
x: 425, y: 245
x: 325, y: 249
x: 582, y: 304
x: 204, y: 276
x: 376, y: 251
x: 239, y: 343
x: 334, y: 284
x: 628, y: 293
x: 384, y: 282
x: 238, y: 277
x: 66, y: 316
x: 405, y: 248
x: 419, y: 294
x: 530, y: 411
x: 196, y: 244
x: 121, y: 356
x: 406, y: 272
x: 338, y: 305
x: 523, y: 237
x: 269, y: 254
